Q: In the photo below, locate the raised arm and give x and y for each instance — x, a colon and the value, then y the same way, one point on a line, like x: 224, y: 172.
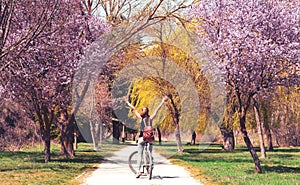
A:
x: 134, y: 110
x: 157, y: 109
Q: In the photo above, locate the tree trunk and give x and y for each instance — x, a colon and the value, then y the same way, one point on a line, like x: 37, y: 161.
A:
x: 93, y: 129
x: 94, y: 123
x: 159, y: 135
x: 242, y: 119
x: 175, y: 118
x: 226, y: 126
x: 267, y: 129
x: 123, y: 133
x: 67, y: 137
x: 253, y: 135
x: 178, y: 138
x: 228, y: 139
x: 259, y: 130
x: 236, y: 137
x: 47, y: 142
x: 101, y: 131
x: 45, y: 119
x: 75, y: 141
x: 97, y: 132
x: 67, y: 144
x: 134, y: 136
x: 116, y: 132
x: 269, y: 139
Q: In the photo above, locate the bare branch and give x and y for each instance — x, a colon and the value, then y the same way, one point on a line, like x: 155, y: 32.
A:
x: 6, y: 20
x: 32, y: 34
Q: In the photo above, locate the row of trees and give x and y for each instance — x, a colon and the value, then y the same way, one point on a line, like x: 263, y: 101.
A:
x: 41, y: 45
x: 257, y: 44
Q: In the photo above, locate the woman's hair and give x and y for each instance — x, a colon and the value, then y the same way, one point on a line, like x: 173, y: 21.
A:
x: 146, y: 113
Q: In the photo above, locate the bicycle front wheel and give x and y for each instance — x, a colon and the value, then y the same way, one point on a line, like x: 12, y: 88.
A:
x: 132, y: 162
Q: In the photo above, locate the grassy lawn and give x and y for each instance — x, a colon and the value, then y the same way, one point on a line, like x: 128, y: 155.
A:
x: 212, y: 166
x: 27, y: 166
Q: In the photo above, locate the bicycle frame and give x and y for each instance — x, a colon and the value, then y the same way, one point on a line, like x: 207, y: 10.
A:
x: 146, y: 157
x: 146, y: 169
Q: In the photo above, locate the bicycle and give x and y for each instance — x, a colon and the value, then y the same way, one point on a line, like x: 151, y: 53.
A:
x: 146, y: 169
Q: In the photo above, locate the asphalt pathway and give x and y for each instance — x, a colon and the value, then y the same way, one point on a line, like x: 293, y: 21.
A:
x: 115, y: 171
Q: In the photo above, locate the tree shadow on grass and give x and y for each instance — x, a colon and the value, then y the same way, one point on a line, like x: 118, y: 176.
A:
x: 215, y: 150
x: 20, y: 155
x: 288, y: 150
x: 212, y: 159
x: 38, y: 157
x: 35, y: 160
x: 281, y: 169
x: 277, y: 169
x: 283, y: 156
x: 78, y: 159
x: 45, y: 167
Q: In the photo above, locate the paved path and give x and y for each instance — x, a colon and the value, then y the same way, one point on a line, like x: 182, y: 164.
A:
x: 115, y: 171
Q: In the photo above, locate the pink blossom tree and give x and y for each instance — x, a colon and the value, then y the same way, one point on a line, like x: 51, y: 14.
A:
x: 257, y: 44
x: 40, y: 77
x: 21, y: 23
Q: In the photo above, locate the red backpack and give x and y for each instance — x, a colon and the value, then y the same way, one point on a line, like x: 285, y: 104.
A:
x: 148, y: 134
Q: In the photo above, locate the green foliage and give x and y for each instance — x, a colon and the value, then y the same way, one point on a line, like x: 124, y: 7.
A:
x: 250, y: 120
x: 284, y: 116
x: 147, y: 93
x: 287, y: 103
x: 236, y: 121
x: 156, y: 87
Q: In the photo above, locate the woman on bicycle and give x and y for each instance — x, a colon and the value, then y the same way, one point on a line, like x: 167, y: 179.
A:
x: 145, y: 119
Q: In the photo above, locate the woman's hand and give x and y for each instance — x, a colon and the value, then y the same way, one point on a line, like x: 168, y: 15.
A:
x: 165, y: 99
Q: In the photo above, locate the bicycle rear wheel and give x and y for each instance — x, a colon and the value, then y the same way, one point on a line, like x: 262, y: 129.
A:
x: 150, y: 173
x: 148, y: 167
x: 132, y: 162
x: 147, y: 163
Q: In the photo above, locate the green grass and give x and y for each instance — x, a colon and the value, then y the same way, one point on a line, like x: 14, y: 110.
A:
x: 213, y: 166
x: 28, y: 167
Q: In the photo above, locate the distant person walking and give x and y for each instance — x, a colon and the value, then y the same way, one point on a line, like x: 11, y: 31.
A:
x: 193, y: 141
